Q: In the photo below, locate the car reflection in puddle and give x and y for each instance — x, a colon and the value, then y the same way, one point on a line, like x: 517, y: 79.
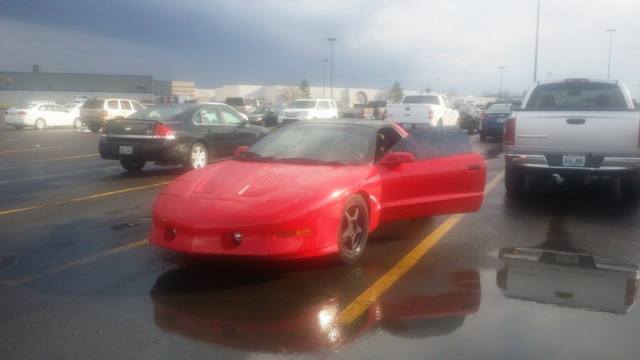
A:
x: 567, y: 278
x: 299, y: 314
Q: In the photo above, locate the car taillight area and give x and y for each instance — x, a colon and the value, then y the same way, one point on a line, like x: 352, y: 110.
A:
x: 509, y: 137
x: 163, y: 131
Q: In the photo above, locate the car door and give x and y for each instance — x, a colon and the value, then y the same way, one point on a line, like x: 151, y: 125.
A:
x: 446, y: 177
x: 125, y: 108
x: 63, y: 116
x: 212, y: 130
x: 242, y: 132
x: 113, y: 107
x: 324, y: 109
x: 50, y: 116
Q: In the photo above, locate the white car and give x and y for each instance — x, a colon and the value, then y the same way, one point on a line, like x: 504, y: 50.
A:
x: 94, y: 113
x: 74, y: 109
x: 308, y: 109
x: 432, y: 109
x: 39, y: 115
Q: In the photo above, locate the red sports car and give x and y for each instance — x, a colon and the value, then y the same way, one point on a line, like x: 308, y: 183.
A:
x: 318, y: 188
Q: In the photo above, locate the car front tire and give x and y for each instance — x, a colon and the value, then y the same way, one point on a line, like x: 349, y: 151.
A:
x: 132, y: 164
x: 353, y: 231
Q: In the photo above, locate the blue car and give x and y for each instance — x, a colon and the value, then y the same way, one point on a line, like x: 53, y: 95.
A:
x: 493, y: 119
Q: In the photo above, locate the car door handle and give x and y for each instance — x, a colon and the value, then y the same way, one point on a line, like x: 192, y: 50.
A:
x: 474, y: 167
x: 576, y: 121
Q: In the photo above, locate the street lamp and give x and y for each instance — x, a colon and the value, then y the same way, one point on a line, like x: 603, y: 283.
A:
x: 331, y: 40
x: 535, y: 59
x: 610, y: 31
x: 501, y: 68
x: 324, y: 76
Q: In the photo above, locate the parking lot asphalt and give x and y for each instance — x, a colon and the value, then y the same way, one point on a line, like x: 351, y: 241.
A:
x: 79, y: 281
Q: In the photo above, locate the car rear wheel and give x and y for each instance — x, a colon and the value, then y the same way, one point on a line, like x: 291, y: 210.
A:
x: 630, y: 187
x: 354, y: 230
x: 198, y: 156
x: 132, y: 164
x: 514, y: 180
x: 94, y: 127
x: 41, y: 124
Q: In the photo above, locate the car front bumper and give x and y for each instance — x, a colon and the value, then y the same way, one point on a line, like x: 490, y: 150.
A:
x: 594, y: 163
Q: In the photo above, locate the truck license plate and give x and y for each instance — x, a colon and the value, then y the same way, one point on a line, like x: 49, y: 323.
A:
x: 574, y: 160
x: 125, y: 150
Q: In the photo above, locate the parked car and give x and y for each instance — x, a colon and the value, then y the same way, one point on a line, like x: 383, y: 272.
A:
x: 242, y: 104
x: 95, y: 113
x: 378, y: 109
x: 39, y: 115
x: 470, y: 118
x: 74, y: 109
x: 308, y: 109
x: 574, y: 128
x: 493, y: 119
x: 263, y: 116
x: 431, y: 109
x: 80, y: 99
x: 317, y: 188
x: 187, y: 134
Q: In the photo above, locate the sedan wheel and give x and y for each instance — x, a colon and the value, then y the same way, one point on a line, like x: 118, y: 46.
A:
x: 198, y: 157
x: 41, y: 124
x: 354, y: 230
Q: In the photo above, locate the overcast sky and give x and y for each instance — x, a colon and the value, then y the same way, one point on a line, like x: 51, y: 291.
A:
x: 462, y: 42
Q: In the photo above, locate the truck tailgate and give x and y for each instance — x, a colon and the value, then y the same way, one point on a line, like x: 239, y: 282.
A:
x: 566, y: 132
x: 409, y: 113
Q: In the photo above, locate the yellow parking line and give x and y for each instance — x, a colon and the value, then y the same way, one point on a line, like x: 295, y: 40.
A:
x: 361, y: 303
x: 33, y: 149
x: 83, y: 198
x: 73, y: 157
x: 75, y: 263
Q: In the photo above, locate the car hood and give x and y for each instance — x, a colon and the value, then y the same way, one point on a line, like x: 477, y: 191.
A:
x: 254, y: 192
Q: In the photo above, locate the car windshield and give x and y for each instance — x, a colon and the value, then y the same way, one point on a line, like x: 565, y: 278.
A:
x: 258, y: 110
x: 160, y: 113
x: 499, y: 109
x: 577, y: 95
x: 421, y: 99
x: 93, y: 104
x: 303, y: 104
x: 328, y: 143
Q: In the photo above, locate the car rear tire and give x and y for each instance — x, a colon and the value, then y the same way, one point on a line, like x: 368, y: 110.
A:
x: 94, y: 127
x: 514, y: 180
x: 132, y: 164
x: 41, y: 124
x: 198, y: 156
x: 630, y: 187
x: 354, y: 230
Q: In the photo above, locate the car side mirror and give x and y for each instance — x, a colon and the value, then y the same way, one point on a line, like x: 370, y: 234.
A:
x: 241, y: 149
x: 396, y: 158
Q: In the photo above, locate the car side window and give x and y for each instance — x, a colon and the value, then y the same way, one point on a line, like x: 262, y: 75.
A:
x: 324, y: 105
x: 125, y: 105
x: 59, y: 108
x: 230, y: 118
x: 207, y: 116
x: 386, y: 139
x: 136, y: 106
x: 113, y: 105
x: 43, y: 108
x: 428, y: 142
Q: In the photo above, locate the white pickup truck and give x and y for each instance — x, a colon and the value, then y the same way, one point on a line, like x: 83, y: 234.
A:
x: 432, y: 109
x: 574, y: 128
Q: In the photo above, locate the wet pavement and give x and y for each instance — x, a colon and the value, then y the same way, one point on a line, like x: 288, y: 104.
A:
x: 550, y: 275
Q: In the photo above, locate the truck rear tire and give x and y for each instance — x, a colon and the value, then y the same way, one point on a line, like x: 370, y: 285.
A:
x: 514, y: 180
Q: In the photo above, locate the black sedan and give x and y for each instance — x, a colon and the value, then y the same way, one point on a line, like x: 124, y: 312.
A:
x: 187, y: 134
x: 263, y: 116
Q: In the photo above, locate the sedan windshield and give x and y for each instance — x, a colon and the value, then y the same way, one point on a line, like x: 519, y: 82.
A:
x: 303, y: 104
x: 327, y: 143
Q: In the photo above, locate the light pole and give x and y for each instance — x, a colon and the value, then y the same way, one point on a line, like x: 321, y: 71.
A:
x: 501, y: 68
x: 535, y: 60
x: 324, y: 76
x: 331, y: 40
x: 610, y: 31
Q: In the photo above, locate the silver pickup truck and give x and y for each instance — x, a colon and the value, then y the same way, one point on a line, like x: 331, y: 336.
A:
x: 574, y: 128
